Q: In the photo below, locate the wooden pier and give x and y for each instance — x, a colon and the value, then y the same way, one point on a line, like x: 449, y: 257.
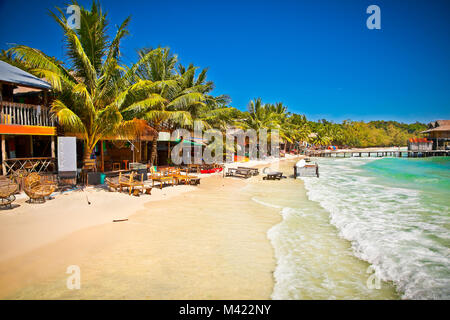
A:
x: 378, y: 154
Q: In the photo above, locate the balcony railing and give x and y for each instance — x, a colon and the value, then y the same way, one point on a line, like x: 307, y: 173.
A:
x: 25, y: 114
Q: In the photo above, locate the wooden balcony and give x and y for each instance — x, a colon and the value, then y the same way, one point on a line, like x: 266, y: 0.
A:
x: 13, y: 113
x: 20, y: 118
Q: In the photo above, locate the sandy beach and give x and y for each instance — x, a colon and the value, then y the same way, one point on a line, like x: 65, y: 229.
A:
x: 175, y: 245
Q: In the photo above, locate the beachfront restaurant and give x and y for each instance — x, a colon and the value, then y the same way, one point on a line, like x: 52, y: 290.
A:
x: 166, y: 143
x: 113, y: 154
x: 27, y: 130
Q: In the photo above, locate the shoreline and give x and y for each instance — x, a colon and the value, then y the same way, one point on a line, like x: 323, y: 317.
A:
x: 28, y: 273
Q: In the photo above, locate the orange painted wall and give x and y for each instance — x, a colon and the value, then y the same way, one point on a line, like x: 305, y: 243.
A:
x: 31, y: 130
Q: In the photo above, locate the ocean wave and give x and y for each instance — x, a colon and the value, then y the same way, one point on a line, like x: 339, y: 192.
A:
x: 266, y: 204
x: 390, y: 227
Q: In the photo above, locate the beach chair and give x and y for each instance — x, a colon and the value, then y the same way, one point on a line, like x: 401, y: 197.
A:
x: 186, y: 178
x: 8, y: 189
x: 273, y: 176
x: 113, y: 183
x: 131, y: 182
x: 162, y: 178
x: 37, y: 189
x: 239, y: 173
x: 254, y: 171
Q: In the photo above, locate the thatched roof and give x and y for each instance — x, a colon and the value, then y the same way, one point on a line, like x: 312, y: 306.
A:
x: 438, y: 125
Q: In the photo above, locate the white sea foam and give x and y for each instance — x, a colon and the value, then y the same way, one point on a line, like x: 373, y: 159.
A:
x: 266, y: 204
x: 388, y: 226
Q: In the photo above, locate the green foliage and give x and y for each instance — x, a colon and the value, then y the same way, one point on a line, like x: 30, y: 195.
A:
x: 362, y: 134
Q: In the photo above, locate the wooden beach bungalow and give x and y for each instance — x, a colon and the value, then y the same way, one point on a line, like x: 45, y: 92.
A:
x: 26, y: 127
x: 439, y: 133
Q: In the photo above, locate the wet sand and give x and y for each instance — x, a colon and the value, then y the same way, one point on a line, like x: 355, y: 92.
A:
x: 207, y: 244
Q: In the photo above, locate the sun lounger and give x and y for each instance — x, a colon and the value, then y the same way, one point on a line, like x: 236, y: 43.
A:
x: 239, y: 173
x: 194, y: 181
x: 145, y: 188
x: 273, y: 176
x: 131, y: 182
x: 186, y: 179
x: 254, y: 171
x: 162, y: 178
x: 113, y: 183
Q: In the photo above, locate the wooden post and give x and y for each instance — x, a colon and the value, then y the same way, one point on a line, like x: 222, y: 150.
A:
x: 145, y: 153
x: 168, y: 153
x: 3, y: 155
x: 31, y: 146
x: 53, y: 147
x: 102, y: 157
x: 43, y: 117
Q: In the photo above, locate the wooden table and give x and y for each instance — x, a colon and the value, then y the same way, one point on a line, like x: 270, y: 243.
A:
x: 162, y: 180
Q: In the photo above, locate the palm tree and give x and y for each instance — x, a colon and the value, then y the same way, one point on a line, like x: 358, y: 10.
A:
x: 263, y: 116
x: 298, y: 128
x: 321, y: 138
x: 175, y: 111
x: 96, y: 97
x: 258, y: 117
x: 187, y: 101
x: 286, y: 132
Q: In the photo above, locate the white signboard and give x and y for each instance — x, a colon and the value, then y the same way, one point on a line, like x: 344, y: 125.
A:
x: 67, y: 154
x: 164, y: 136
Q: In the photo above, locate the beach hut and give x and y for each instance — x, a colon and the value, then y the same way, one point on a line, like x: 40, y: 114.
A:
x: 438, y: 133
x: 27, y: 130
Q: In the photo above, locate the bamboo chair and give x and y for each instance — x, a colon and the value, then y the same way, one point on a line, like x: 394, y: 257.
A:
x: 7, y: 192
x: 36, y: 189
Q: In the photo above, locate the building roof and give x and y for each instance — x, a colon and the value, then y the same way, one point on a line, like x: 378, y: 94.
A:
x: 438, y: 125
x: 440, y: 128
x: 14, y: 75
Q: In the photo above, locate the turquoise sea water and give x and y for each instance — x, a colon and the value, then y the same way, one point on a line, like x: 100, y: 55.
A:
x: 396, y: 214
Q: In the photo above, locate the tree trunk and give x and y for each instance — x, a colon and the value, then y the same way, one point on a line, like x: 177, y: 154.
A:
x: 154, y: 150
x: 169, y: 159
x: 87, y: 154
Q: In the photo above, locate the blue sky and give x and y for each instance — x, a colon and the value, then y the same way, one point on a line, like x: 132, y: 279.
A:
x: 317, y: 57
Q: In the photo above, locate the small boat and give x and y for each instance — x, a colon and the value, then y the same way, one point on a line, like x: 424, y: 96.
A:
x: 303, y: 168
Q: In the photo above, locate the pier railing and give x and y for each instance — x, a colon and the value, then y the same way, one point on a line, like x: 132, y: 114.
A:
x: 379, y: 153
x: 25, y: 114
